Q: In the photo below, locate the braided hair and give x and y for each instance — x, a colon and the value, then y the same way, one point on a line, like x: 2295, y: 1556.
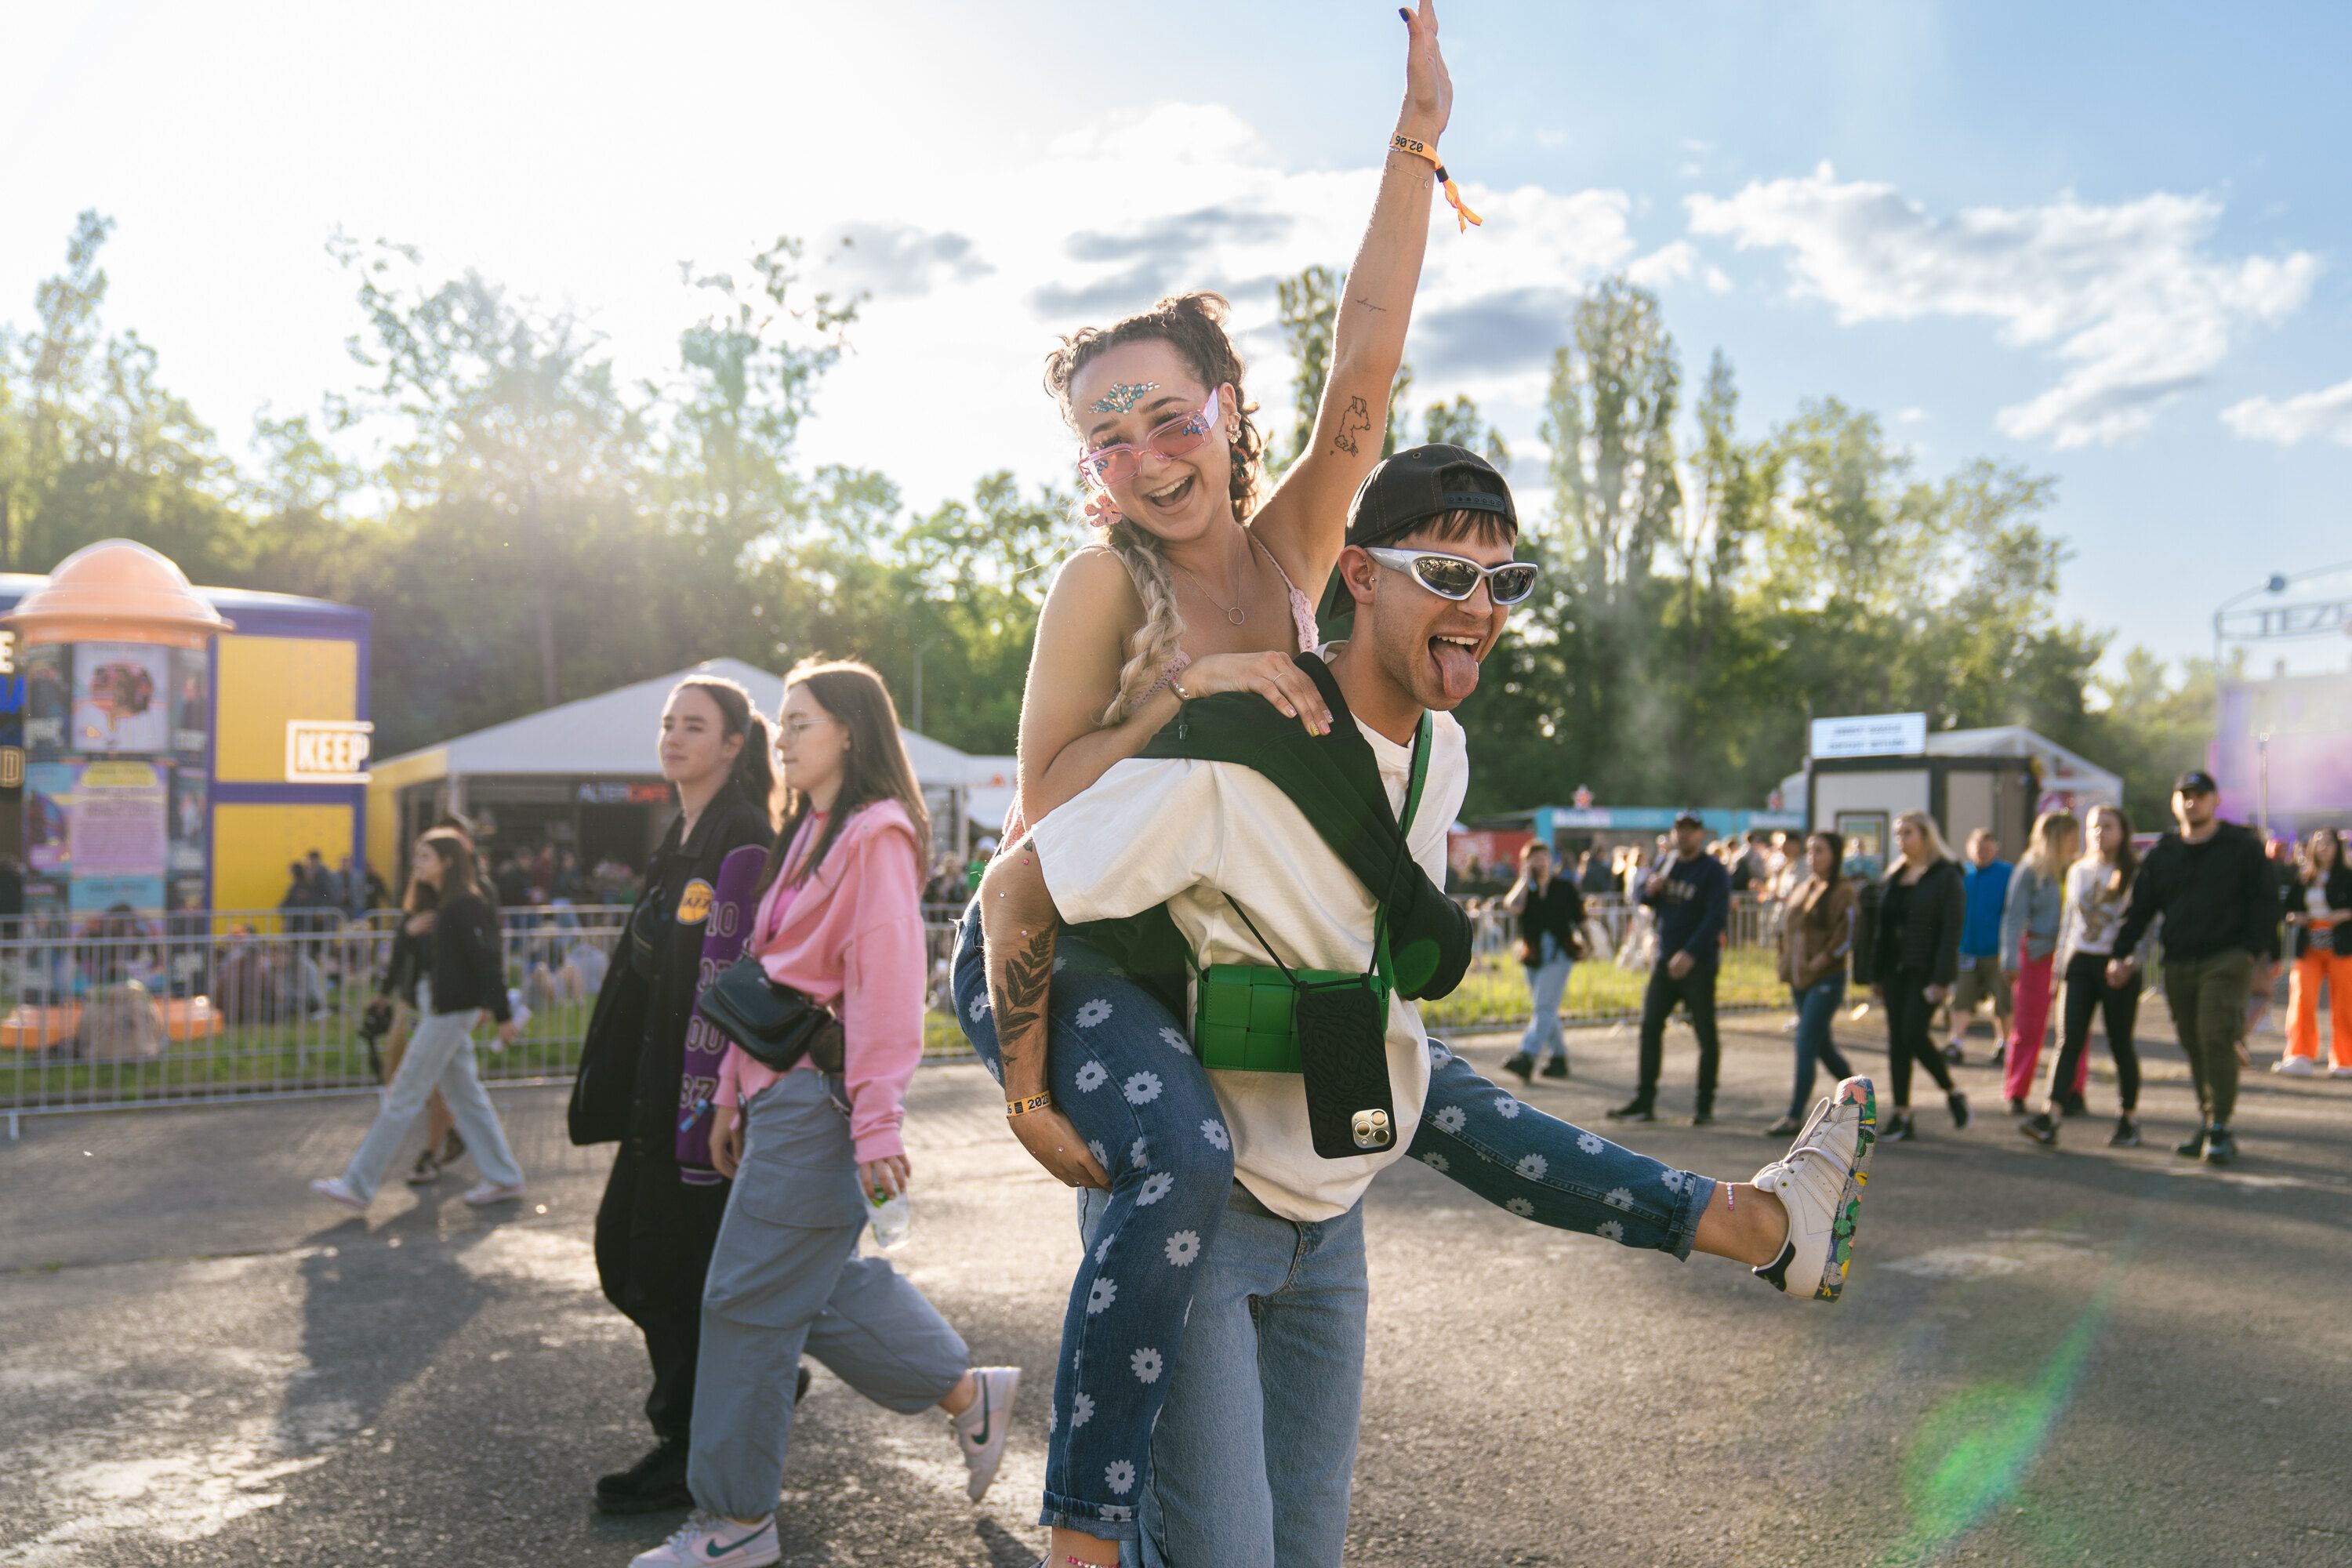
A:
x: 1194, y: 326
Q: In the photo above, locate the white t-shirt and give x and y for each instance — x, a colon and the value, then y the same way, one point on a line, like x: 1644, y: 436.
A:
x: 2092, y: 916
x: 1185, y: 833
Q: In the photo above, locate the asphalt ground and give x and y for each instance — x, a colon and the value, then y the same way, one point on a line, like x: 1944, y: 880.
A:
x: 2085, y: 1356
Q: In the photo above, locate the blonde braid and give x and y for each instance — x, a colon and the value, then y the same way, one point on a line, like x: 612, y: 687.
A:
x: 1160, y: 636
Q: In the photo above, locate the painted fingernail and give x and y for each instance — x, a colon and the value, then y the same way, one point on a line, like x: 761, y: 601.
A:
x: 1404, y: 15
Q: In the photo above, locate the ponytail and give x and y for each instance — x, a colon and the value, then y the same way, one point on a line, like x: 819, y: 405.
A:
x: 754, y: 774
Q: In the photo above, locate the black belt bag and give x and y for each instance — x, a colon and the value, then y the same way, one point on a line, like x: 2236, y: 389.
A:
x: 775, y: 1025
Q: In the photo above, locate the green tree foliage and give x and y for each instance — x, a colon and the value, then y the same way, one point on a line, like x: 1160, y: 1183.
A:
x: 1459, y: 424
x: 1308, y: 309
x: 526, y: 528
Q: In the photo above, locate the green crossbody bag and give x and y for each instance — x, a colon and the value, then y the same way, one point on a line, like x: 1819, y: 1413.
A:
x: 1245, y: 1016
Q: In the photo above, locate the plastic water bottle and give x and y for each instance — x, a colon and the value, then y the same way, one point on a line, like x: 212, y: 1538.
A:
x: 892, y: 1220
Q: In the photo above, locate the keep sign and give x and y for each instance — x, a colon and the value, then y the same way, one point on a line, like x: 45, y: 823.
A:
x: 327, y: 752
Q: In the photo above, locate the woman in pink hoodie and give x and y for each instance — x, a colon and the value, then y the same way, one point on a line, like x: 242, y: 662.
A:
x: 839, y: 921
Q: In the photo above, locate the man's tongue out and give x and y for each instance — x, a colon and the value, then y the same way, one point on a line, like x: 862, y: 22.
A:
x: 1457, y: 667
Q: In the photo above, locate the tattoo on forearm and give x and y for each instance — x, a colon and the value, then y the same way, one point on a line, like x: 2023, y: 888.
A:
x: 1368, y: 305
x: 1020, y: 988
x: 1357, y: 421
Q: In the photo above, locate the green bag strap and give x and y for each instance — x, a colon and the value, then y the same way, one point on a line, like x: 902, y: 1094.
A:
x: 1423, y: 741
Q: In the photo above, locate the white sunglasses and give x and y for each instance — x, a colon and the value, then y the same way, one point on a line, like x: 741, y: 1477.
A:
x: 1456, y: 577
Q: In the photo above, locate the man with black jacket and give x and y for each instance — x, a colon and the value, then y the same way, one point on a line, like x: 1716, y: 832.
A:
x: 1551, y: 915
x: 2211, y: 884
x: 1692, y: 896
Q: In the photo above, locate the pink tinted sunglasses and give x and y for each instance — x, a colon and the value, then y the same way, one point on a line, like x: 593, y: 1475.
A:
x: 1115, y: 464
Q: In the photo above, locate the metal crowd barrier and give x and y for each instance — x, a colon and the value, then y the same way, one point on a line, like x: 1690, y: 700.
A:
x: 112, y: 1013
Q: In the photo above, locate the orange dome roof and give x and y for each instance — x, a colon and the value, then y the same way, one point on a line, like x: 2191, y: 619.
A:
x: 117, y: 588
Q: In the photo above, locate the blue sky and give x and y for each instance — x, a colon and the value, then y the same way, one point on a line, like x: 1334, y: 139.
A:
x: 2107, y: 241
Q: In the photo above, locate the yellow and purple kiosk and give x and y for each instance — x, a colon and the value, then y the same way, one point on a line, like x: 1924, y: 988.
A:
x: 170, y: 748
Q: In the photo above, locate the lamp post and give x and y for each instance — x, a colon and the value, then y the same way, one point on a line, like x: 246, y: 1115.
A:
x: 920, y: 648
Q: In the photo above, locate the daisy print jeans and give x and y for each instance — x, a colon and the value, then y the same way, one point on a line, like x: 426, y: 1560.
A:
x: 1121, y: 1068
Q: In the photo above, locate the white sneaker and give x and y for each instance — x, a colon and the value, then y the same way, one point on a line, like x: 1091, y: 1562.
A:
x: 2295, y: 1066
x: 337, y: 1191
x: 495, y: 1193
x: 1819, y: 1182
x: 980, y: 1431
x: 714, y: 1543
x: 2339, y: 1072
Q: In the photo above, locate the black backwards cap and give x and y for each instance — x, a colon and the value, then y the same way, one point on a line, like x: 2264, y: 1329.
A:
x: 1404, y: 489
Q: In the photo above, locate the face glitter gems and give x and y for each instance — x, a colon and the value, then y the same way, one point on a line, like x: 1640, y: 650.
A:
x: 1123, y: 395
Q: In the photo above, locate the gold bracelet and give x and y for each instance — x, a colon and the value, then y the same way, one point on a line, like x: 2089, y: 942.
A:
x: 1024, y: 1107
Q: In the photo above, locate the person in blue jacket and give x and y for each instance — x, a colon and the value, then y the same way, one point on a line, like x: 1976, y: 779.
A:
x: 1987, y: 879
x: 1691, y: 894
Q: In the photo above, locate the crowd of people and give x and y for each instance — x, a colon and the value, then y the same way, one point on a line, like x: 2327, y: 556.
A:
x: 1194, y: 965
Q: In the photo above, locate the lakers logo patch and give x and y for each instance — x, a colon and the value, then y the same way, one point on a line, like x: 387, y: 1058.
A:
x: 694, y: 904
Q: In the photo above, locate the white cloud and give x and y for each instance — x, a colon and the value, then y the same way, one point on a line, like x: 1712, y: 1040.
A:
x: 1910, y: 415
x: 2324, y: 415
x: 1667, y: 264
x: 2127, y: 295
x: 1717, y: 281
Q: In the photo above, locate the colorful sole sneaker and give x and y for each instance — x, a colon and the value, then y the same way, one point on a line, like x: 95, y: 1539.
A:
x: 715, y: 1542
x: 1819, y: 1182
x: 980, y: 1431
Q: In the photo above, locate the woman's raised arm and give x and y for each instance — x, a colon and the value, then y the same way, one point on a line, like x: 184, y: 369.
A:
x: 1305, y: 521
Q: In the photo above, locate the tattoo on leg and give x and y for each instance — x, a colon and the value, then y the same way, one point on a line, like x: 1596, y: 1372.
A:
x: 1021, y: 992
x: 1355, y: 422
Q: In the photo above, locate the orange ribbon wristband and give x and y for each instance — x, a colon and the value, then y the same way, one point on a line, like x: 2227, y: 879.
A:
x: 1463, y: 216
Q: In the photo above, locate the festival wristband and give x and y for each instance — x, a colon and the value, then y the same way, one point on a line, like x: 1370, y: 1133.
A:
x: 1024, y: 1107
x: 1464, y: 217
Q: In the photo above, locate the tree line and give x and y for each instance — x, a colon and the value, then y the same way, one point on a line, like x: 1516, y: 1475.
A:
x: 529, y: 529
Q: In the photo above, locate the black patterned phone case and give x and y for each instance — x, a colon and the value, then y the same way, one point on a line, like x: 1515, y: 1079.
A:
x: 1343, y: 1057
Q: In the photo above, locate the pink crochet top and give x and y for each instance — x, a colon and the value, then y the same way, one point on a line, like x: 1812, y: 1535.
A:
x: 1302, y: 624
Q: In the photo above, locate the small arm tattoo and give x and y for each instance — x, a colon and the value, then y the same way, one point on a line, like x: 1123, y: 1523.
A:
x: 1368, y: 305
x: 1357, y: 421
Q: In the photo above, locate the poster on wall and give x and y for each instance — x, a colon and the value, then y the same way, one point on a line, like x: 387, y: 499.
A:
x: 101, y: 829
x: 48, y: 699
x: 48, y: 794
x: 122, y: 698
x: 192, y: 702
x: 187, y: 825
x: 1865, y: 841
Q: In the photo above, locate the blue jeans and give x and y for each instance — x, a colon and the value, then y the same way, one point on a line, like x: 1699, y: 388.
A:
x: 1255, y: 1450
x: 1547, y: 984
x: 1817, y: 1007
x: 1135, y: 1282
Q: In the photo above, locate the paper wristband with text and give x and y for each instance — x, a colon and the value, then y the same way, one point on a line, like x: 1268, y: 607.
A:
x: 1024, y: 1107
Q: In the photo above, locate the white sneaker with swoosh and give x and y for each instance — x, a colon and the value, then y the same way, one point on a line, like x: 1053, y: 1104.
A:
x: 981, y: 1430
x: 707, y: 1539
